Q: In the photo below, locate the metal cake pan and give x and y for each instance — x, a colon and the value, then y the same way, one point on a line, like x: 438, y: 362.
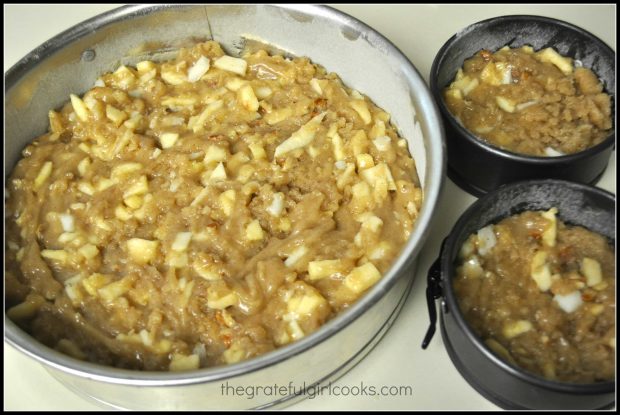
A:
x: 365, y: 60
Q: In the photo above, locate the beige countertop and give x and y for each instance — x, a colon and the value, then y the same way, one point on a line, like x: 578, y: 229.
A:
x: 419, y: 31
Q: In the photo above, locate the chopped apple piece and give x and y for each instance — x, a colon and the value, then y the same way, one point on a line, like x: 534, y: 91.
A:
x: 172, y: 76
x: 496, y: 73
x: 44, y: 174
x: 94, y: 282
x: 219, y: 173
x: 86, y: 188
x: 359, y: 142
x: 88, y: 251
x: 364, y: 161
x: 486, y: 239
x: 516, y: 328
x: 146, y: 337
x: 220, y: 301
x: 507, y: 74
x: 245, y: 173
x: 125, y: 169
x: 360, y: 106
x: 115, y: 115
x: 377, y: 130
x: 206, y: 269
x: 277, y: 204
x: 181, y: 241
x: 234, y: 353
x: 383, y: 143
x: 380, y: 251
x: 505, y: 104
x: 227, y: 201
x: 295, y: 330
x: 181, y: 362
x: 454, y: 93
x: 198, y: 69
x: 258, y: 152
x: 84, y: 166
x: 140, y: 187
x: 72, y: 289
x: 306, y: 303
x: 176, y: 259
x: 147, y: 76
x: 338, y: 146
x: 234, y: 83
x: 59, y: 255
x: 66, y: 237
x: 230, y: 64
x: 591, y: 269
x: 371, y: 222
x: 104, y: 184
x: 472, y: 267
x: 371, y: 226
x: 550, y: 232
x: 142, y: 250
x: 278, y: 115
x: 80, y: 108
x: 112, y: 291
x: 124, y: 76
x: 284, y: 225
x: 145, y: 66
x: 540, y: 272
x: 168, y: 140
x: 56, y: 126
x: 103, y: 224
x: 132, y: 337
x: 295, y: 256
x: 321, y: 269
x: 67, y: 222
x: 122, y: 213
x: 315, y: 84
x: 470, y: 86
x: 362, y: 278
x: 380, y: 171
x: 263, y: 92
x: 196, y: 123
x: 346, y: 176
x: 564, y: 64
x: 179, y: 102
x: 569, y: 302
x: 312, y: 151
x: 226, y: 318
x: 201, y: 195
x: 550, y: 151
x: 254, y: 232
x: 362, y: 197
x: 247, y: 98
x: 464, y: 84
x: 215, y: 154
x: 301, y: 137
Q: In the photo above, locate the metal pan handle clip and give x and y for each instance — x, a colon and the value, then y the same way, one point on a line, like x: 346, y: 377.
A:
x: 433, y: 292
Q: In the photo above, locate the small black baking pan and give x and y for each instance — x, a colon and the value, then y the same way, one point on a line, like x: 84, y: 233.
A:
x: 477, y: 166
x: 504, y: 384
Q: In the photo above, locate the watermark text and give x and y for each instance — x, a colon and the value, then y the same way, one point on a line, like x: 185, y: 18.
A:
x: 315, y: 390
